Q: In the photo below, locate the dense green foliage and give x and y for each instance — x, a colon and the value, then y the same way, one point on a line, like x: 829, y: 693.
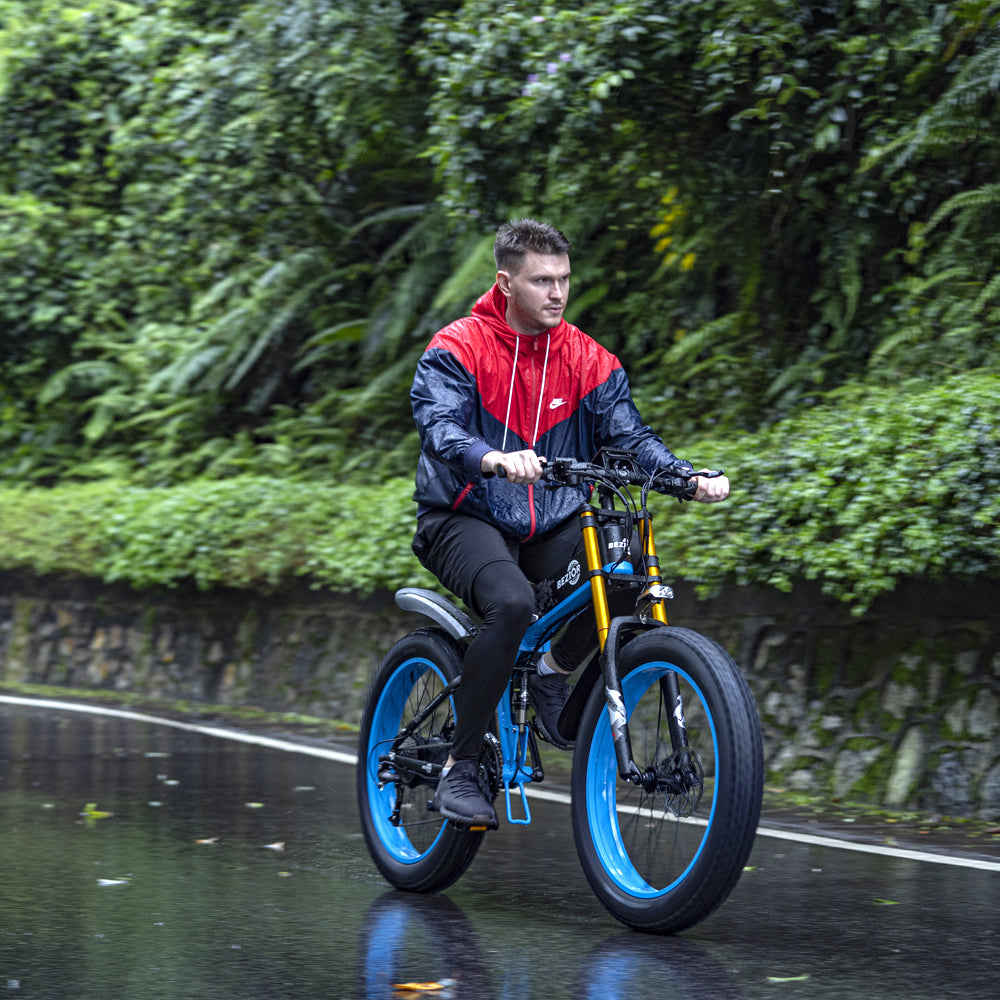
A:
x: 856, y: 496
x: 250, y: 531
x: 228, y: 229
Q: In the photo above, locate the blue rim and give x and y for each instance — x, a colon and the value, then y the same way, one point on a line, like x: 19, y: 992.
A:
x: 602, y: 787
x: 385, y: 724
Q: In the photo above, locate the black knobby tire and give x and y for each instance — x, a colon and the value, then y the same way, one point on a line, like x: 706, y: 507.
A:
x: 420, y: 851
x: 663, y: 859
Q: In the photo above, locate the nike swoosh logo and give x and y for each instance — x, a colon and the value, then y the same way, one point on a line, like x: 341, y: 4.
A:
x: 557, y: 403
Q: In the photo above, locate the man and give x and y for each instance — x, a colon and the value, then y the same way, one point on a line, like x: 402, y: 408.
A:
x: 503, y: 387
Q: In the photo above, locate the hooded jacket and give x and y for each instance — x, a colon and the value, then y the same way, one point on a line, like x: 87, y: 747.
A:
x: 480, y: 386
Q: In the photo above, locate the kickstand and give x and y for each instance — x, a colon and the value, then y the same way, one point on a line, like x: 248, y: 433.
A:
x: 526, y: 812
x: 526, y: 748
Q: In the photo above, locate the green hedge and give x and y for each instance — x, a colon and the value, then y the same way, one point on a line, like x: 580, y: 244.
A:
x: 248, y: 532
x: 862, y: 492
x: 873, y: 487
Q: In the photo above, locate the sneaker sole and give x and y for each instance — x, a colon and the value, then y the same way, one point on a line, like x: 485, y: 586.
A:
x: 475, y: 823
x: 558, y: 742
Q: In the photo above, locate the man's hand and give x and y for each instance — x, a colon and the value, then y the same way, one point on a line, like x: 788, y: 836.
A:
x: 710, y: 490
x: 520, y: 466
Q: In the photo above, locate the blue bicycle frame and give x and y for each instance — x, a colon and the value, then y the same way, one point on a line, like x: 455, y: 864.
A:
x: 513, y: 733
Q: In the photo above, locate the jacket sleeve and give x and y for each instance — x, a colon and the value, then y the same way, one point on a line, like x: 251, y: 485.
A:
x: 444, y: 399
x: 619, y: 425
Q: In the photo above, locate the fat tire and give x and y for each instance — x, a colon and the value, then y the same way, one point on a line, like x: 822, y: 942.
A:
x: 697, y: 859
x: 443, y: 851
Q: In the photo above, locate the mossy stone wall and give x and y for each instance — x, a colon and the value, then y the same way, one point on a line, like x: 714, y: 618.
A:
x: 899, y: 707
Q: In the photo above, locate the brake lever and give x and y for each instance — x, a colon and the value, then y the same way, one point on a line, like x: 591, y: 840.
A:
x: 691, y: 487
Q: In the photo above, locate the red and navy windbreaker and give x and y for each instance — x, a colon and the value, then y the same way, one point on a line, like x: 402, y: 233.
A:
x: 481, y: 386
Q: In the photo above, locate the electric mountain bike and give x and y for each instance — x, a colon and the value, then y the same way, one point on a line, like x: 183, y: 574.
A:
x: 667, y: 769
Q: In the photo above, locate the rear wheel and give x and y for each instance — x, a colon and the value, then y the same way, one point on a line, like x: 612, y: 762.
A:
x: 413, y: 847
x: 663, y: 854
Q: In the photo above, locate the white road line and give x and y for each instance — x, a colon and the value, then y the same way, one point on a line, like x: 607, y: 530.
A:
x: 813, y: 839
x: 884, y: 849
x: 235, y: 735
x: 342, y: 757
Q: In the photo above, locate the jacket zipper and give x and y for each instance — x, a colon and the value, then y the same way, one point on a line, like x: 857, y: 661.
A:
x: 535, y: 408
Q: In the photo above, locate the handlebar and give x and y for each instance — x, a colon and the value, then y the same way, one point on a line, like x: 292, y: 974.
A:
x: 570, y: 472
x: 619, y: 469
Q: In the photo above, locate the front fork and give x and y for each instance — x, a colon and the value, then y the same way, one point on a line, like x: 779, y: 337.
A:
x: 653, y: 614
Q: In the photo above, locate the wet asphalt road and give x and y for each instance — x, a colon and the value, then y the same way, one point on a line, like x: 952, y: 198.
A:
x: 143, y: 861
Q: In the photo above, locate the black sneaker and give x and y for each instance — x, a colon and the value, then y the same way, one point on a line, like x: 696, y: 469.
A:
x: 462, y: 797
x: 547, y: 694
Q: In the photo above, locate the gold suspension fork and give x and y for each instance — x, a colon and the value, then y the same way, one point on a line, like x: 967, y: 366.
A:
x: 657, y: 608
x: 598, y: 587
x: 653, y: 598
x: 669, y: 685
x: 627, y: 768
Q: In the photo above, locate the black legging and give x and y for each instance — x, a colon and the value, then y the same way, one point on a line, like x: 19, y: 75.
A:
x: 506, y: 601
x: 494, y: 575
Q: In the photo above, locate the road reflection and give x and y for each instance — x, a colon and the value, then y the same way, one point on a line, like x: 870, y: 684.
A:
x: 429, y: 944
x: 420, y: 939
x: 146, y: 862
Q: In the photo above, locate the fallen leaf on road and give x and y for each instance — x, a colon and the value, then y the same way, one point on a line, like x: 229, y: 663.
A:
x: 423, y: 987
x: 90, y: 811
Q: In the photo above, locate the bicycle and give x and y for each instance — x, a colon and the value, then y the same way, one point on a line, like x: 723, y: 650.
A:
x: 667, y: 772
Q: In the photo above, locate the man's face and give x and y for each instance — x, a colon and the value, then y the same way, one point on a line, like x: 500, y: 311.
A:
x: 536, y: 293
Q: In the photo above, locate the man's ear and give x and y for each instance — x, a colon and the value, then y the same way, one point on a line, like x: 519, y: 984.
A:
x: 503, y: 282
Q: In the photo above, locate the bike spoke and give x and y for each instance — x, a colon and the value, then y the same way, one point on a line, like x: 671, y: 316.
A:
x: 403, y: 800
x: 662, y: 822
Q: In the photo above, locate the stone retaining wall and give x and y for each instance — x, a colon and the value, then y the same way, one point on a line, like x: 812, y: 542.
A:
x: 900, y: 707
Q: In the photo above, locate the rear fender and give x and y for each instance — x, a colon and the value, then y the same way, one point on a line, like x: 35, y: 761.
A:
x: 439, y: 609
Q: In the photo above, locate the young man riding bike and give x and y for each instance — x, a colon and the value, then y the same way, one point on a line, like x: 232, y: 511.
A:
x: 502, y: 388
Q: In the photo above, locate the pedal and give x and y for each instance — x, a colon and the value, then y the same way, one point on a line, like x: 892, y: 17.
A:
x: 477, y: 828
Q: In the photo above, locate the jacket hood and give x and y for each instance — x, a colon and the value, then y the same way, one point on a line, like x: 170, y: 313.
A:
x: 491, y: 308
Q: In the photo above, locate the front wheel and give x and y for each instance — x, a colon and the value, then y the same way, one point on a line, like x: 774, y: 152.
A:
x: 413, y: 847
x: 661, y: 855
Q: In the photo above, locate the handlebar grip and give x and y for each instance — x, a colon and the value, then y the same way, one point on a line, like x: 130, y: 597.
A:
x: 501, y: 470
x: 681, y: 486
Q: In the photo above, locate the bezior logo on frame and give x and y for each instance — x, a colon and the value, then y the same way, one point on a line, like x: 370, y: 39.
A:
x: 571, y: 576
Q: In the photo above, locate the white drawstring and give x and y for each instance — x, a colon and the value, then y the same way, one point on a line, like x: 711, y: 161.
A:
x: 510, y: 393
x: 541, y: 393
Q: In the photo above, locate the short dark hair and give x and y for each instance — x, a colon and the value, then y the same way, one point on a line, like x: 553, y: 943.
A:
x: 521, y: 236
